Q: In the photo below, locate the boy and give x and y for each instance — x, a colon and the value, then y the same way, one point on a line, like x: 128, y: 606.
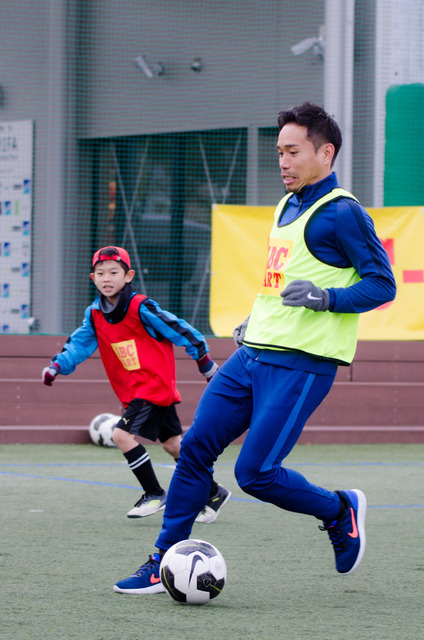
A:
x: 135, y: 338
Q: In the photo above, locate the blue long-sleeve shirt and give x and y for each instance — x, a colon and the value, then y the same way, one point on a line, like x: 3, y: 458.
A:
x: 342, y: 234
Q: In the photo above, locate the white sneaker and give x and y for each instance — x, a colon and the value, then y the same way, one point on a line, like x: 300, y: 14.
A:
x: 147, y: 506
x: 213, y: 506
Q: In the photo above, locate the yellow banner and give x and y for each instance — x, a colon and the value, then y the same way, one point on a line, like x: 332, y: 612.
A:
x: 239, y: 255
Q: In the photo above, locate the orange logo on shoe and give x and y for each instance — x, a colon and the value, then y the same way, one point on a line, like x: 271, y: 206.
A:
x: 354, y: 532
x: 153, y: 579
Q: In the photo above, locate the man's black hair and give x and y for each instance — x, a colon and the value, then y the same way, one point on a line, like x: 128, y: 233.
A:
x: 321, y: 127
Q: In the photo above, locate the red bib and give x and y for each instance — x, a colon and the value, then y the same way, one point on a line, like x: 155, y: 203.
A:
x: 137, y: 365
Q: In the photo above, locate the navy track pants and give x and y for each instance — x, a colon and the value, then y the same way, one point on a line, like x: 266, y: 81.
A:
x: 274, y: 403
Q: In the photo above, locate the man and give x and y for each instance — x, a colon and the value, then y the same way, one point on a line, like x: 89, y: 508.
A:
x: 325, y: 266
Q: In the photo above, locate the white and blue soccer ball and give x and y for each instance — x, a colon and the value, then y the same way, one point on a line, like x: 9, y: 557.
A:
x: 101, y: 429
x: 193, y: 572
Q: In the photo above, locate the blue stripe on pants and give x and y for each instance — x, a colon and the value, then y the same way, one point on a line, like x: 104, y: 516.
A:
x: 275, y: 452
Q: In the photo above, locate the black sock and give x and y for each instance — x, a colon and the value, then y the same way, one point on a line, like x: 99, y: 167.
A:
x: 214, y: 489
x: 139, y: 462
x: 343, y: 506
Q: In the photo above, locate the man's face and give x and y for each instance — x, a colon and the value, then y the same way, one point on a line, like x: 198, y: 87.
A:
x: 300, y: 163
x: 110, y: 278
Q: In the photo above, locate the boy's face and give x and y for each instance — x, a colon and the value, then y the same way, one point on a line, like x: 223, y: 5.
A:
x: 110, y: 278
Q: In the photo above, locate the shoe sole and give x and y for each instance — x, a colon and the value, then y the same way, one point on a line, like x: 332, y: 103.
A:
x: 156, y: 588
x: 360, y: 523
x: 144, y: 515
x: 216, y: 512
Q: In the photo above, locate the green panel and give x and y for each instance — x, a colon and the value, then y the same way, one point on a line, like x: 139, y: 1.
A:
x: 404, y: 154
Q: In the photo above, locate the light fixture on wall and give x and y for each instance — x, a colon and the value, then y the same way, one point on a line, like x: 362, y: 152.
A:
x: 316, y: 44
x: 152, y: 70
x: 196, y: 65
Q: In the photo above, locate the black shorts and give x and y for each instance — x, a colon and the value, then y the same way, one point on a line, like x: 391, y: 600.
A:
x: 150, y: 421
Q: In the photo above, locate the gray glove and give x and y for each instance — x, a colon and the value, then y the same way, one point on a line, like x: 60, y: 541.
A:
x: 238, y: 333
x: 302, y: 293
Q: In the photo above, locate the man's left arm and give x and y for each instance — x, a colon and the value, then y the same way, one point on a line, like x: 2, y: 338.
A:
x: 358, y: 240
x: 352, y: 242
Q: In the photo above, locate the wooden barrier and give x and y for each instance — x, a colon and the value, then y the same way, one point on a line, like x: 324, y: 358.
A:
x: 377, y: 399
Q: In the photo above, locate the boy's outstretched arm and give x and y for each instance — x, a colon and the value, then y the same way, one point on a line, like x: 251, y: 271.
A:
x: 78, y: 347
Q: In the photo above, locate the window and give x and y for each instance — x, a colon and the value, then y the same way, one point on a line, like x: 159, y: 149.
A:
x: 153, y: 195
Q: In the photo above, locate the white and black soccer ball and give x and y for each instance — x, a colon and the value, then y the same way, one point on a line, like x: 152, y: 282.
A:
x: 193, y: 571
x: 101, y: 429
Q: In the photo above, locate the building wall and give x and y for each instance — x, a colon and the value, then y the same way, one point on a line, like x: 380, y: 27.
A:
x: 68, y: 65
x: 363, y: 157
x: 245, y: 48
x: 25, y: 82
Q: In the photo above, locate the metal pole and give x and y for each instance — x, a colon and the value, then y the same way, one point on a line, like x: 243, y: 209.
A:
x: 338, y: 78
x: 55, y: 168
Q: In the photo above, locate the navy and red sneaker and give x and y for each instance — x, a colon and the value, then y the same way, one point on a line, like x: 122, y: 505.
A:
x: 347, y: 535
x: 145, y: 580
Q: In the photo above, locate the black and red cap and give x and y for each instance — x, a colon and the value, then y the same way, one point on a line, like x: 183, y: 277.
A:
x: 112, y: 253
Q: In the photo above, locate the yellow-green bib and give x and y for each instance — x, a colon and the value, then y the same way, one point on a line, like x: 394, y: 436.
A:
x: 274, y: 326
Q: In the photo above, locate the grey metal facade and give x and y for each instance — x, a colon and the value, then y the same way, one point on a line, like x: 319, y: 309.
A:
x: 68, y: 66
